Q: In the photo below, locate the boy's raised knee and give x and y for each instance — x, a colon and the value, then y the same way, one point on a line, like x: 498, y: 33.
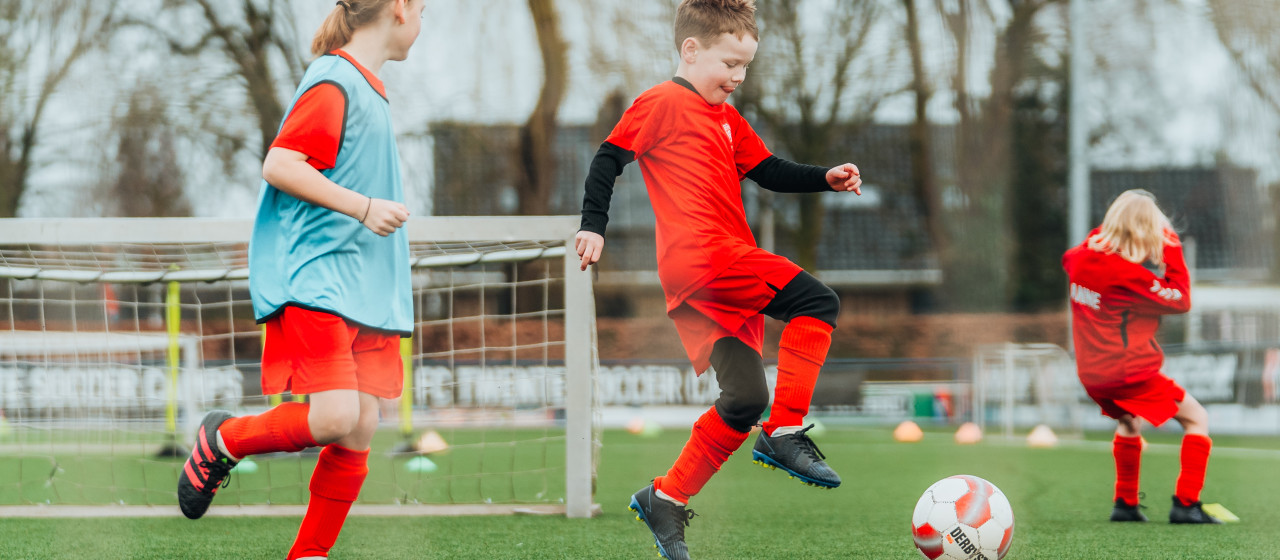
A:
x: 742, y: 411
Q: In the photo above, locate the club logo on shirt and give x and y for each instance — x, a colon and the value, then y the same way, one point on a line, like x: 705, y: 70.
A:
x: 727, y: 131
x: 1086, y: 297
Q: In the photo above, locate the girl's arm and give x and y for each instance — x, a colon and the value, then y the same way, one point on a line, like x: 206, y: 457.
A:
x: 289, y: 171
x: 1170, y: 294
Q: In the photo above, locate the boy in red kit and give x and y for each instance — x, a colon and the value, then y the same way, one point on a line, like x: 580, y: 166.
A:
x: 1128, y: 273
x: 328, y: 274
x: 693, y: 150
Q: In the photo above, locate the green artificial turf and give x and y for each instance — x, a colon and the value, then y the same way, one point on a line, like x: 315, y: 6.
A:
x: 1061, y: 498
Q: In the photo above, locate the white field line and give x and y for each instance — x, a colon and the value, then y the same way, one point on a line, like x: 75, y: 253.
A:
x: 1163, y: 448
x: 415, y: 510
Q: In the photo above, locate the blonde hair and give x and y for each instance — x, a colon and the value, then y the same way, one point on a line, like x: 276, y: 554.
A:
x: 1134, y: 228
x: 345, y: 18
x: 707, y: 20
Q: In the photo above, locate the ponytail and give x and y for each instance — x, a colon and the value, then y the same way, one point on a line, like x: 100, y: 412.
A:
x: 345, y: 18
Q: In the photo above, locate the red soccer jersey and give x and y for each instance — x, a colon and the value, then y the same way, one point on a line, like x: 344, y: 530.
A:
x: 1115, y: 310
x: 314, y: 125
x: 693, y: 156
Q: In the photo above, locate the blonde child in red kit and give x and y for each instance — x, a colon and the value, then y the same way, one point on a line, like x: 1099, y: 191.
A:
x: 1126, y: 275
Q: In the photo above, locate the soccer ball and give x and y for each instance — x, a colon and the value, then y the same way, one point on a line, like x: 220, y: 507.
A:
x: 962, y: 517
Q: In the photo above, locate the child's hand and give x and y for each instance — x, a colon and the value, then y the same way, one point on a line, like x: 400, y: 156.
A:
x: 385, y: 216
x: 845, y: 178
x: 1171, y: 238
x: 589, y: 246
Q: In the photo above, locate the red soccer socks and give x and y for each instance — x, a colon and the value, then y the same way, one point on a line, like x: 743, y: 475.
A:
x: 335, y: 484
x: 1195, y: 457
x: 710, y: 445
x: 1128, y: 454
x: 283, y: 428
x: 801, y: 352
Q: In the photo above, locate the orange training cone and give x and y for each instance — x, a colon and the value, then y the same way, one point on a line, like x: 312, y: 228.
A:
x: 908, y: 432
x: 969, y: 433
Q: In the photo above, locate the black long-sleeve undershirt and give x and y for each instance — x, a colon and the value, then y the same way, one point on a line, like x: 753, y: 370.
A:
x: 774, y: 173
x: 784, y: 176
x: 605, y: 168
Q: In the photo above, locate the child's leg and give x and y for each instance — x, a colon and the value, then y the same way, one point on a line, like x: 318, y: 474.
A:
x: 336, y: 482
x: 720, y: 430
x: 1196, y: 447
x: 292, y: 426
x: 1127, y: 450
x: 810, y: 309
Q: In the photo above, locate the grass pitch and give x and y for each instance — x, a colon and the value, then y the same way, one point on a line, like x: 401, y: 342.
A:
x: 1061, y: 499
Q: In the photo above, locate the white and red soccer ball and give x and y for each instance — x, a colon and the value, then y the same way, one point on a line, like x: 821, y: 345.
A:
x: 962, y: 517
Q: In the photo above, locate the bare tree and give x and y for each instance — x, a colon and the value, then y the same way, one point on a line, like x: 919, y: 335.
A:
x: 980, y: 243
x: 537, y: 136
x: 148, y: 180
x: 811, y: 90
x: 40, y: 43
x: 1247, y: 31
x: 257, y: 38
x: 924, y: 180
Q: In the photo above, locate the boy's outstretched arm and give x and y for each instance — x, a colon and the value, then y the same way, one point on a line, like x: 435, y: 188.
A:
x: 606, y: 166
x: 780, y: 175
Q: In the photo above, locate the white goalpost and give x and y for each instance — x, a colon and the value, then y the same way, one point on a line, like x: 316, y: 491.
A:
x: 117, y: 335
x: 1019, y: 386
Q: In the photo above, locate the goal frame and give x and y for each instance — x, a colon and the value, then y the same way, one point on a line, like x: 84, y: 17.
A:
x: 580, y: 360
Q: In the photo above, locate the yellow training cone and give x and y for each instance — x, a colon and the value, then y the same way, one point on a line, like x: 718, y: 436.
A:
x: 1220, y: 513
x: 908, y: 432
x: 968, y: 433
x: 1042, y: 436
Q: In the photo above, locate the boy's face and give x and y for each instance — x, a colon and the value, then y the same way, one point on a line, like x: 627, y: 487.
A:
x: 716, y: 70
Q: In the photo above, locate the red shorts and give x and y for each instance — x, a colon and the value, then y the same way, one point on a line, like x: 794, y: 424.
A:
x: 311, y: 351
x: 729, y: 305
x: 1155, y: 399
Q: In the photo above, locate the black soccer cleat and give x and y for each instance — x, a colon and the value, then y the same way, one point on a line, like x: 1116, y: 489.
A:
x: 1124, y: 512
x: 1192, y: 514
x: 206, y: 469
x: 798, y: 455
x: 665, y: 519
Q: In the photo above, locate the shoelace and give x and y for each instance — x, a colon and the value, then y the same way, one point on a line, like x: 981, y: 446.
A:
x: 809, y: 446
x: 689, y: 515
x: 218, y: 472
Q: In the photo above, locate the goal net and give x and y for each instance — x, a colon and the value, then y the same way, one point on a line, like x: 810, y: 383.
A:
x: 117, y: 335
x: 1019, y: 386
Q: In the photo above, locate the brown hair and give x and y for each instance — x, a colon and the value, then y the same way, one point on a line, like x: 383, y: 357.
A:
x: 1134, y: 228
x: 347, y: 16
x: 707, y: 20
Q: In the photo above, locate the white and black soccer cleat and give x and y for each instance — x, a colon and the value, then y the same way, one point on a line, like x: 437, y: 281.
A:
x: 798, y: 455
